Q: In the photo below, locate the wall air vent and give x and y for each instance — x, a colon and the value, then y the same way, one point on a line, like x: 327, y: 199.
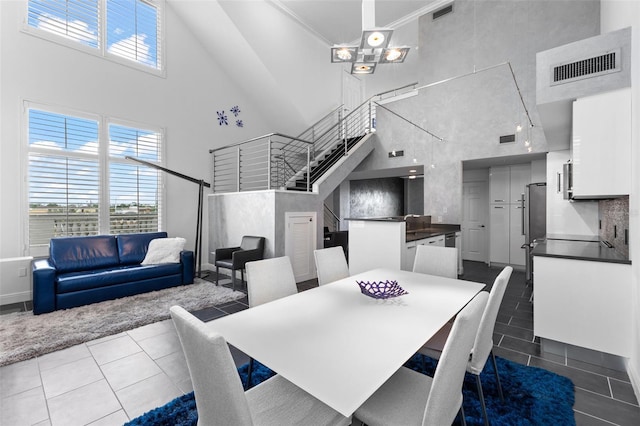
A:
x: 439, y: 13
x: 591, y: 67
x: 508, y: 138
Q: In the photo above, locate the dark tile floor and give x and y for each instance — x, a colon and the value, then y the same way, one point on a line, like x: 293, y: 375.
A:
x: 603, y: 396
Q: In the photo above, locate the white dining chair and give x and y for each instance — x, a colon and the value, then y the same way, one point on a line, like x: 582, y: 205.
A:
x: 268, y: 280
x: 331, y: 265
x: 440, y: 261
x: 409, y: 397
x: 220, y: 399
x: 483, y: 345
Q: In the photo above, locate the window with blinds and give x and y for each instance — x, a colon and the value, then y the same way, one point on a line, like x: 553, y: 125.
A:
x: 77, y: 20
x: 78, y: 188
x: 131, y: 28
x: 132, y: 31
x: 134, y: 197
x: 64, y: 176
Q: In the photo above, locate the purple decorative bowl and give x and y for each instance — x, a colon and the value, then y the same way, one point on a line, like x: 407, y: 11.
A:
x: 381, y: 290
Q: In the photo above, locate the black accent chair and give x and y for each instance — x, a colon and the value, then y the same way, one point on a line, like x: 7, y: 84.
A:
x: 234, y: 258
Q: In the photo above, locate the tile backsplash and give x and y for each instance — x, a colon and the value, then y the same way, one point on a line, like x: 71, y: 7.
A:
x: 614, y: 223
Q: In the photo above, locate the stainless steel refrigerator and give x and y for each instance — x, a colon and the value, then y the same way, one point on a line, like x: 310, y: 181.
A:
x: 535, y: 220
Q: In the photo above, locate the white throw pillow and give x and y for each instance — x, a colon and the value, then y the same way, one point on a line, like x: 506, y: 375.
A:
x: 164, y: 250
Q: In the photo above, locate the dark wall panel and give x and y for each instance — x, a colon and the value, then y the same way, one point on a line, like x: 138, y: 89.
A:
x: 376, y: 197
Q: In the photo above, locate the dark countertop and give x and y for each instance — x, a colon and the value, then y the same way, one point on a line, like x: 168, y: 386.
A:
x: 378, y: 219
x: 578, y: 250
x: 433, y: 231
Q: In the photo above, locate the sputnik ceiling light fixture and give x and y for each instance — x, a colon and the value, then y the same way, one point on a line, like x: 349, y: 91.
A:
x: 374, y: 46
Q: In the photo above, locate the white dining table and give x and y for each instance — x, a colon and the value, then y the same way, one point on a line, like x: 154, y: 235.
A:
x: 340, y: 345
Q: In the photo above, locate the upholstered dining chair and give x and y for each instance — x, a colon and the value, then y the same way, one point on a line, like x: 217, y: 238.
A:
x: 331, y: 264
x: 220, y: 399
x: 234, y: 258
x: 440, y: 261
x: 268, y: 280
x: 409, y: 397
x: 483, y: 345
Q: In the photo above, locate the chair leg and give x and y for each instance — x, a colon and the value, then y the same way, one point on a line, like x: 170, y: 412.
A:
x: 249, y: 371
x: 242, y: 277
x: 482, y: 404
x: 495, y: 369
x: 463, y: 420
x: 233, y: 279
x: 217, y: 275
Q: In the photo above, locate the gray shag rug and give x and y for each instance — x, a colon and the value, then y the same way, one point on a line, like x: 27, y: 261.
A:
x: 24, y: 335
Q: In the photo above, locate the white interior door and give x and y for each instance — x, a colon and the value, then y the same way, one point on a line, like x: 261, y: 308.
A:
x: 300, y: 241
x: 474, y: 221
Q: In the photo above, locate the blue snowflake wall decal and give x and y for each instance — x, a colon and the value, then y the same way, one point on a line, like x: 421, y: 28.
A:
x: 222, y: 118
x: 239, y: 123
x: 235, y: 110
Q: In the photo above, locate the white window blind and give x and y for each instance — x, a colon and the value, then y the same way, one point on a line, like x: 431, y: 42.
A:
x: 69, y: 186
x: 129, y: 29
x: 135, y: 190
x: 132, y: 31
x: 78, y: 20
x: 64, y: 176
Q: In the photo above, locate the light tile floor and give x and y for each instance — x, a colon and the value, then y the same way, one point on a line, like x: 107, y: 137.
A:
x: 117, y: 378
x: 107, y: 381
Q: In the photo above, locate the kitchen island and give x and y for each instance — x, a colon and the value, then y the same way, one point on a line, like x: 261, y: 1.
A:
x: 390, y: 242
x: 582, y: 295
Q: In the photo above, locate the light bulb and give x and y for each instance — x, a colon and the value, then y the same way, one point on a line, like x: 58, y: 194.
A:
x: 375, y: 39
x: 433, y: 166
x: 518, y: 128
x: 393, y: 54
x: 527, y: 143
x: 415, y: 160
x: 344, y: 54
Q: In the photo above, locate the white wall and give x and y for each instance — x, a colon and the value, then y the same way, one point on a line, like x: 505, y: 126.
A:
x: 184, y: 103
x: 615, y: 15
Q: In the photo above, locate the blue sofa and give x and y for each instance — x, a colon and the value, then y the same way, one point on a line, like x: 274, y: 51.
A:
x: 83, y: 270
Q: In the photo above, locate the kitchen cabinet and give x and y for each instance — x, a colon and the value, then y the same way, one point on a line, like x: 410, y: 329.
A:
x: 583, y: 303
x: 506, y: 227
x: 499, y: 233
x: 601, y: 148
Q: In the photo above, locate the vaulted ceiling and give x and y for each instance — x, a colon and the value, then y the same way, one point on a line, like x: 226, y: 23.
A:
x: 278, y: 50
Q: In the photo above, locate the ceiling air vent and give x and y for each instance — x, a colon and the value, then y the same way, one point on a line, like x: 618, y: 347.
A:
x: 439, y: 13
x: 586, y: 68
x: 508, y: 138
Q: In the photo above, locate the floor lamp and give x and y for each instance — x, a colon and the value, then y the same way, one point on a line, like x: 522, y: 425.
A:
x: 201, y: 183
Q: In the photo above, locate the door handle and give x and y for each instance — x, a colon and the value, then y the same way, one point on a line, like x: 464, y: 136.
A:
x: 523, y: 233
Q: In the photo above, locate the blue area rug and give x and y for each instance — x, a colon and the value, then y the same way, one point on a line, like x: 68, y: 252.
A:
x: 533, y: 396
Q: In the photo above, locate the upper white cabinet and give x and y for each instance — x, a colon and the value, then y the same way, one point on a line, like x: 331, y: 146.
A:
x: 601, y: 150
x: 499, y: 189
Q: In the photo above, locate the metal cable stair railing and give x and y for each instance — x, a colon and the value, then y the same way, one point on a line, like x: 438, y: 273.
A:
x: 279, y: 161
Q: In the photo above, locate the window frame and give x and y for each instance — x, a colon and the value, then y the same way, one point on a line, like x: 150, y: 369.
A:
x: 103, y: 159
x: 102, y: 51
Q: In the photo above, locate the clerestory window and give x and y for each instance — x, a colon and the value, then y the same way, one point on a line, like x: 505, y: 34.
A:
x: 116, y: 29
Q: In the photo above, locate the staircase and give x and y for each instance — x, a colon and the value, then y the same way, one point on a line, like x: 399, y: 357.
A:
x: 304, y: 163
x: 324, y: 164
